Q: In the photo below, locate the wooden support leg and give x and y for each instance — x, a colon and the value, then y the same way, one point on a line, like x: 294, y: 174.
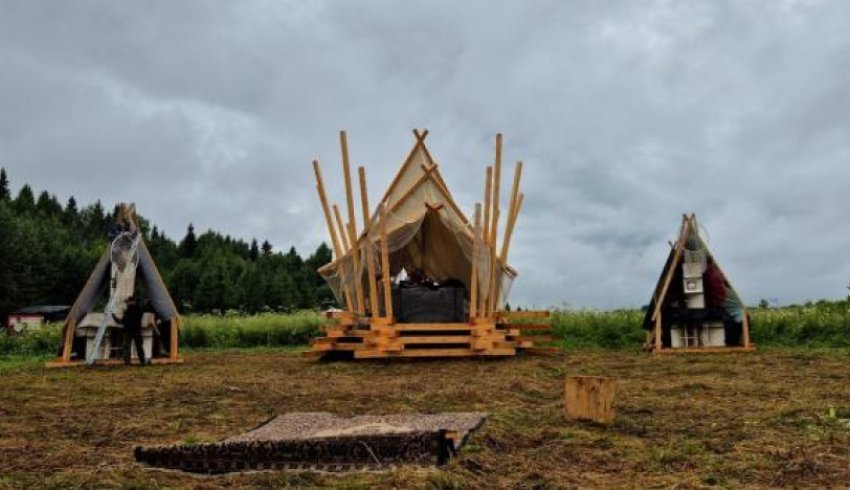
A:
x: 175, y: 335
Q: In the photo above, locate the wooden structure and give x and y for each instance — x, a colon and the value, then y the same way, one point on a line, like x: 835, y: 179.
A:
x: 694, y: 307
x: 72, y: 351
x: 590, y: 398
x: 418, y: 229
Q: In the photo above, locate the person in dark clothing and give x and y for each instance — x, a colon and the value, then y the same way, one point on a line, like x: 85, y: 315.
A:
x: 132, y: 323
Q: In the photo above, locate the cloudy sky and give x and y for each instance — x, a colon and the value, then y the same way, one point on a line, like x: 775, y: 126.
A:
x: 626, y: 114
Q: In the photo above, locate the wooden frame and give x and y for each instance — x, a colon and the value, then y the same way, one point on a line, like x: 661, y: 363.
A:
x: 689, y: 222
x: 487, y: 331
x: 126, y: 212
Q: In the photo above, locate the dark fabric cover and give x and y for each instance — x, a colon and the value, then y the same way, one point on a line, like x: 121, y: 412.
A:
x: 425, y: 304
x: 157, y: 292
x: 93, y: 289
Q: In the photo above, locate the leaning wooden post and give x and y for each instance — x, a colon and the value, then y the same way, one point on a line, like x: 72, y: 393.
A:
x: 509, y: 228
x: 355, y: 246
x: 323, y: 198
x: 340, y: 225
x: 175, y: 329
x: 385, y: 266
x: 370, y: 252
x: 485, y: 235
x: 473, y: 281
x: 512, y: 204
x: 746, y: 328
x: 493, y: 301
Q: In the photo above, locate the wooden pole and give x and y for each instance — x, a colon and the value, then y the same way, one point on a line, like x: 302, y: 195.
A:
x: 473, y: 282
x: 175, y: 329
x: 485, y: 235
x: 352, y: 220
x: 509, y: 228
x: 340, y: 225
x: 385, y: 265
x: 370, y: 253
x: 493, y: 301
x: 512, y: 204
x: 323, y: 198
x: 746, y: 325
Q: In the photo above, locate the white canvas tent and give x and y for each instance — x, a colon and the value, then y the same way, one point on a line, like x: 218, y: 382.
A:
x: 418, y: 228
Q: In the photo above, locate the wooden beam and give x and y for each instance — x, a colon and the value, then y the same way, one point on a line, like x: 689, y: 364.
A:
x: 385, y: 266
x: 677, y: 254
x: 346, y: 245
x: 352, y: 220
x: 493, y: 304
x: 509, y: 229
x: 323, y: 198
x: 485, y: 234
x: 370, y: 251
x: 175, y: 330
x: 658, y: 332
x: 473, y: 282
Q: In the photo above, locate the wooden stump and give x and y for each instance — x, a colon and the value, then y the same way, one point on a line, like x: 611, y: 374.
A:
x: 590, y: 398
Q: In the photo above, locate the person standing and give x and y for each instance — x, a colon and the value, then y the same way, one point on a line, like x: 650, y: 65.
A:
x: 132, y: 324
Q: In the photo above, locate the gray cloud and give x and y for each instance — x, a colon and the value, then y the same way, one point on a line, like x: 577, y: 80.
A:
x: 625, y: 114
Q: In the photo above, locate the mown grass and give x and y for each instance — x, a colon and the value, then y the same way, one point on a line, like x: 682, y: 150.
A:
x: 814, y: 325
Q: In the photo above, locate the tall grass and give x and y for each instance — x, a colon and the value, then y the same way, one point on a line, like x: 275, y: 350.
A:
x: 265, y: 330
x: 821, y: 324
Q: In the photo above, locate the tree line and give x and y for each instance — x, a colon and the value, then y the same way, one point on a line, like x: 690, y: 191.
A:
x: 48, y: 250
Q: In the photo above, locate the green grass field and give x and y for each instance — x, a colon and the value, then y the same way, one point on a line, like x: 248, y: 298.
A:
x: 823, y: 324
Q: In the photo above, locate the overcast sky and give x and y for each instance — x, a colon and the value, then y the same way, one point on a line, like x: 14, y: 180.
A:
x: 627, y: 114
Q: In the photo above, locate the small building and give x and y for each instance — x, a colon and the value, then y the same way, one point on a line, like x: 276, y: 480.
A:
x: 694, y: 307
x: 33, y: 317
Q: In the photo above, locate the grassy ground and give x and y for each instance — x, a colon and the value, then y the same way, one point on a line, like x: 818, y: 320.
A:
x: 773, y: 418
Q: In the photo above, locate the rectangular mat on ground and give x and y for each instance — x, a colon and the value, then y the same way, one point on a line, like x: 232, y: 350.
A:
x: 323, y: 441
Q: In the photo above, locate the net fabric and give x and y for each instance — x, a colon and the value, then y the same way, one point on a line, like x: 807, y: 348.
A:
x: 424, y: 231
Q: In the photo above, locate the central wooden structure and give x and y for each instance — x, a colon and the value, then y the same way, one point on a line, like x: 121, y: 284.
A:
x: 419, y: 231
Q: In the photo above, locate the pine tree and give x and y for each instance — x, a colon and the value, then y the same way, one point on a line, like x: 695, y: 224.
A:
x: 254, y: 254
x: 25, y: 202
x: 189, y: 245
x: 267, y: 248
x: 72, y: 215
x: 5, y: 195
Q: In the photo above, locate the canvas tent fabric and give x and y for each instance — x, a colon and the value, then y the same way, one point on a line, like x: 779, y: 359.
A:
x: 425, y: 230
x: 157, y: 293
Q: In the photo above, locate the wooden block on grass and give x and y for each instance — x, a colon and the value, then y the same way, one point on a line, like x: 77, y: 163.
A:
x: 590, y: 398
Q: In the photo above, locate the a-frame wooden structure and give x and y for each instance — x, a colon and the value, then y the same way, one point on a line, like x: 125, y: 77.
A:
x: 98, y: 281
x: 392, y: 238
x: 678, y: 320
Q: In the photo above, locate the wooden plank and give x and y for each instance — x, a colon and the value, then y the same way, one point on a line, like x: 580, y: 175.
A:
x: 535, y: 338
x: 485, y: 234
x: 433, y: 327
x: 434, y: 339
x: 370, y: 251
x: 510, y: 315
x: 352, y: 223
x: 59, y: 363
x: 513, y: 204
x: 385, y: 266
x: 529, y: 326
x: 323, y: 198
x: 590, y: 398
x: 677, y: 254
x: 473, y: 282
x: 704, y: 350
x: 495, y: 276
x: 358, y: 279
x: 173, y: 350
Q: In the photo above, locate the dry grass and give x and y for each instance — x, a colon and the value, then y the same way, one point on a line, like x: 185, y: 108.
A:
x: 731, y: 420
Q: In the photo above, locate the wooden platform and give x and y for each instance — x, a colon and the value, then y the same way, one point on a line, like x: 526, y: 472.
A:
x: 704, y: 350
x: 109, y: 362
x: 505, y: 334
